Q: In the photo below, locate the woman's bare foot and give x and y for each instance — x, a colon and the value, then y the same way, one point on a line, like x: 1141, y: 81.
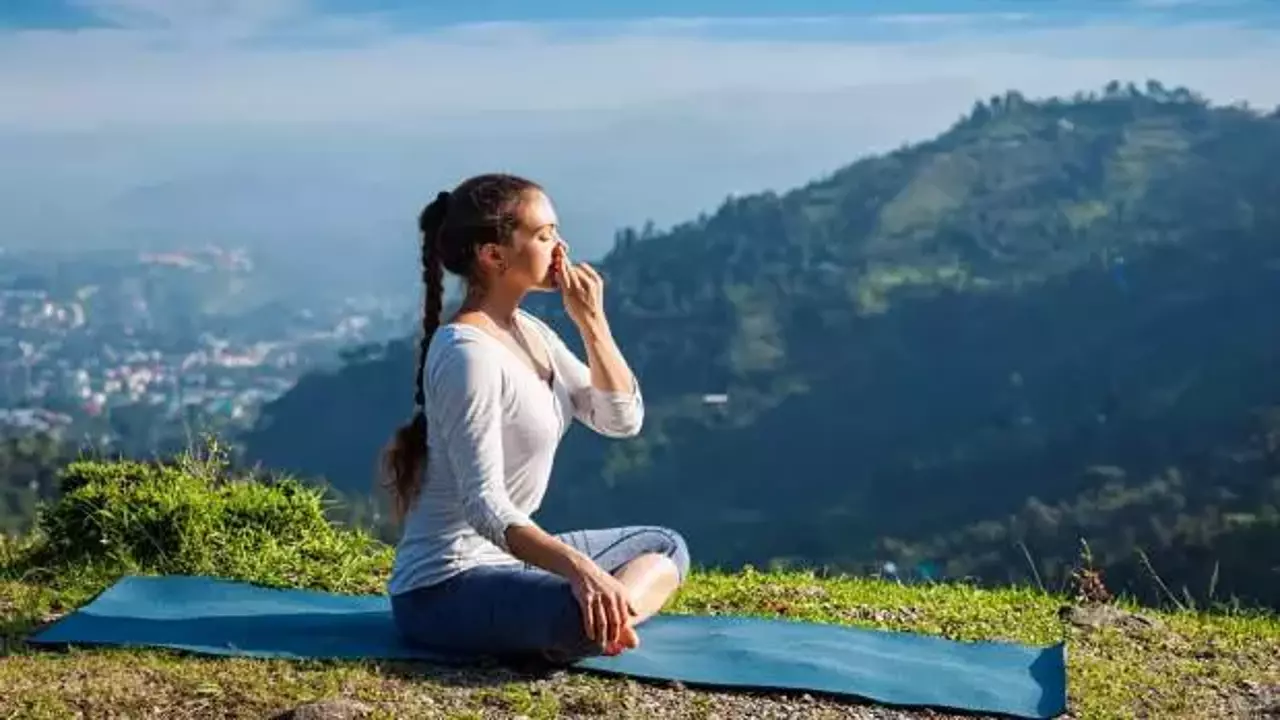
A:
x: 651, y: 578
x: 627, y: 640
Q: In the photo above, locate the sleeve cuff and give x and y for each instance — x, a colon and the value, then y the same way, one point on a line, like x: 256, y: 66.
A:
x: 618, y: 413
x: 491, y: 519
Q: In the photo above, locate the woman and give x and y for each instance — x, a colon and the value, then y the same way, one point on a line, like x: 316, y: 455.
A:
x: 495, y: 392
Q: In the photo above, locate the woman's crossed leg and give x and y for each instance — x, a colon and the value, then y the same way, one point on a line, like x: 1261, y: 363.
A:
x: 523, y: 610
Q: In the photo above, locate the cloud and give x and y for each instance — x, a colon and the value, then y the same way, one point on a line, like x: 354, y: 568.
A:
x: 196, y: 18
x: 275, y: 125
x: 1177, y: 4
x: 949, y: 18
x: 137, y: 78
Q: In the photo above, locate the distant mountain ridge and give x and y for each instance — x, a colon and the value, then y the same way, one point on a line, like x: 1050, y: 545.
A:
x: 921, y: 343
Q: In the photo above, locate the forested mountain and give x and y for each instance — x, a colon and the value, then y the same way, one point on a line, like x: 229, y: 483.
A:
x: 1056, y: 320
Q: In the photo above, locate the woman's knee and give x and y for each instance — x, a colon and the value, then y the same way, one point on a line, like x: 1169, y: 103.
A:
x: 676, y: 548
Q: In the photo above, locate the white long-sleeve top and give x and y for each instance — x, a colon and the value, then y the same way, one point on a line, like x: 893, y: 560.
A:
x: 493, y: 427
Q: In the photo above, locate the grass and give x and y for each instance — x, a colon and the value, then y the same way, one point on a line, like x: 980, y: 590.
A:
x: 189, y: 518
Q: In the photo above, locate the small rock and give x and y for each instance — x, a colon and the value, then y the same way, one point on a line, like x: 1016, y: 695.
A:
x: 339, y: 709
x: 1096, y: 616
x: 885, y: 616
x: 1264, y: 700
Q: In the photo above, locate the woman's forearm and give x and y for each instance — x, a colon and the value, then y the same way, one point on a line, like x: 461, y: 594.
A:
x: 609, y: 369
x: 532, y: 544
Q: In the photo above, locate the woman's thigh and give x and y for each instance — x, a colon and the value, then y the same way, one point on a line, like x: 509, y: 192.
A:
x: 611, y: 548
x: 495, y: 611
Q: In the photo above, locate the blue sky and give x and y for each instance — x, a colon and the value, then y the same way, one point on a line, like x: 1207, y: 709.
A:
x: 318, y: 127
x: 415, y: 13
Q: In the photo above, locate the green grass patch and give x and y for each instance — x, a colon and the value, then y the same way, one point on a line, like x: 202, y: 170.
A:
x: 191, y: 518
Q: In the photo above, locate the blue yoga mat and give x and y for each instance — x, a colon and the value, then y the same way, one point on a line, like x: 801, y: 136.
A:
x: 218, y: 617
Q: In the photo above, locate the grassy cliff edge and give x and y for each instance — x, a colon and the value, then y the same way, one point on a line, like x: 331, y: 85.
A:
x: 192, y: 517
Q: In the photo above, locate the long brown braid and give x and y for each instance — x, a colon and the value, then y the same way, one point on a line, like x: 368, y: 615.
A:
x: 483, y: 209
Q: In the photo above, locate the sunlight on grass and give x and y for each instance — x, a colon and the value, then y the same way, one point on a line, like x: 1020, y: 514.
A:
x: 131, y: 518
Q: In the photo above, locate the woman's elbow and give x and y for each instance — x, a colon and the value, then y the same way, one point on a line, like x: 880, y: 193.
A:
x: 487, y: 520
x: 625, y: 424
x: 614, y: 415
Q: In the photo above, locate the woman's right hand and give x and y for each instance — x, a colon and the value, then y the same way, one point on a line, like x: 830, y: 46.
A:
x: 607, y: 614
x: 606, y: 605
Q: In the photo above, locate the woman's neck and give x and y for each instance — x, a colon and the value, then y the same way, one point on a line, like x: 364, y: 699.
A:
x: 500, y: 307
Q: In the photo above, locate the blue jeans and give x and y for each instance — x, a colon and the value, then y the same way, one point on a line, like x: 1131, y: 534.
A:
x: 524, y: 612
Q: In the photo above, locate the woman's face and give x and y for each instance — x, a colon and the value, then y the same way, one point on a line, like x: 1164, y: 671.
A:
x: 533, y: 257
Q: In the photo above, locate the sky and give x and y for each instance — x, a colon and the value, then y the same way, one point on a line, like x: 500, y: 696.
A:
x: 316, y: 129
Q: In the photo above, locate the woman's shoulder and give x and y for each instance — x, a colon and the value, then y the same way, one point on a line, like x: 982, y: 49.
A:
x: 457, y: 346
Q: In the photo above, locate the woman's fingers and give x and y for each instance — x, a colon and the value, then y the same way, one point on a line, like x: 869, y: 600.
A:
x: 589, y: 616
x: 590, y: 272
x: 603, y: 622
x: 615, y: 621
x: 588, y: 283
x: 624, y: 615
x: 568, y: 276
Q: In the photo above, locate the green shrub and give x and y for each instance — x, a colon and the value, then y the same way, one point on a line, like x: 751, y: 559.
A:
x: 191, y: 518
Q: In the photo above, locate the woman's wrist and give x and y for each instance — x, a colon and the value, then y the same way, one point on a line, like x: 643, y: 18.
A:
x: 579, y: 566
x: 572, y: 564
x: 535, y: 546
x: 594, y: 327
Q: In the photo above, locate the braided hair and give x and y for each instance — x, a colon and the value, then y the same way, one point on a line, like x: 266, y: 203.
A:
x: 483, y: 209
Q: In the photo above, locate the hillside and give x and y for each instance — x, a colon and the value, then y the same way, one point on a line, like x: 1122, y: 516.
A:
x: 1051, y: 321
x: 192, y: 516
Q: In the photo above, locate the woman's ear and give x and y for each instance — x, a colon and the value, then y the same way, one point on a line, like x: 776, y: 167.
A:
x: 491, y: 258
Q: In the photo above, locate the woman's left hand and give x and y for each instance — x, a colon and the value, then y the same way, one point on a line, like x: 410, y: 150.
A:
x: 582, y: 289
